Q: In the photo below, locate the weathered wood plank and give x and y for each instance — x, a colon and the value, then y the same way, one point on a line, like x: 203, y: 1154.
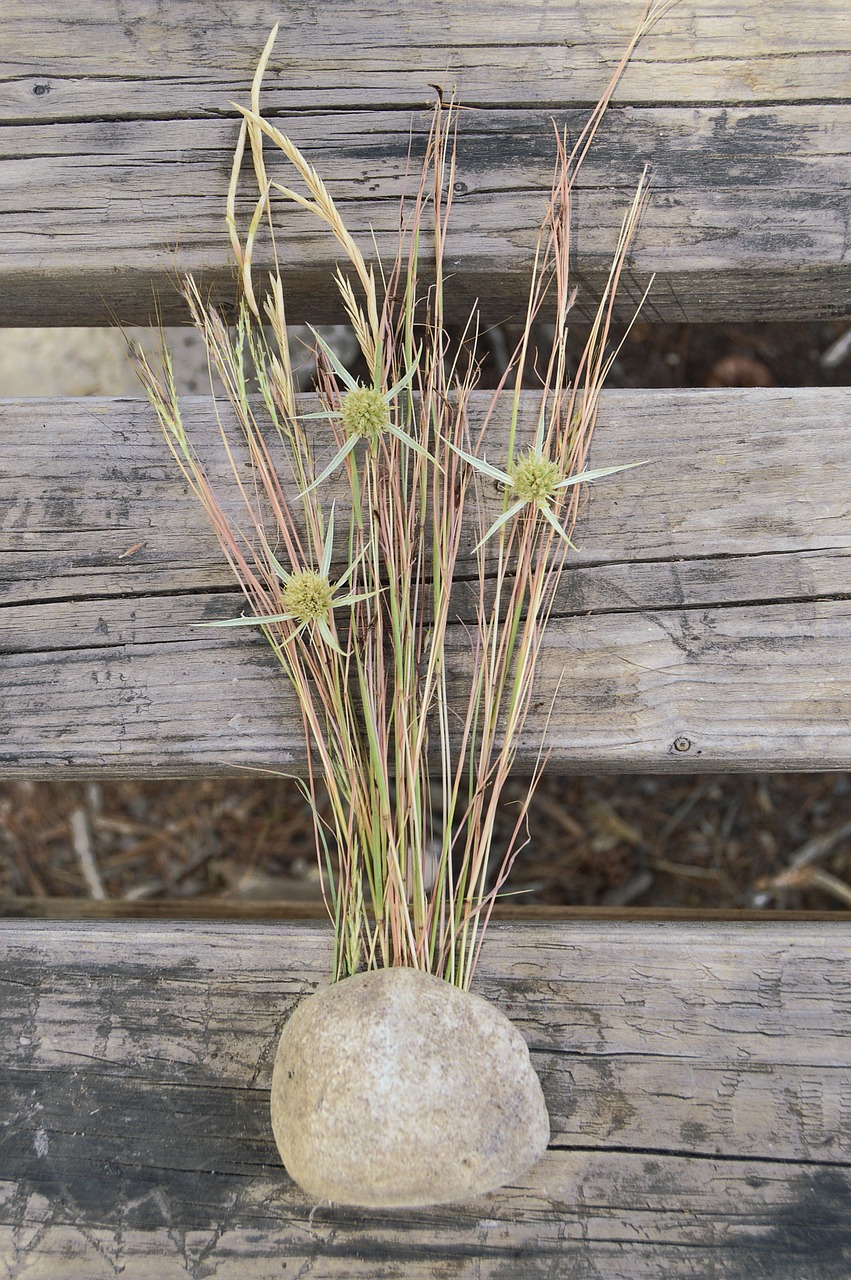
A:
x: 746, y: 217
x: 705, y: 623
x: 697, y: 1078
x: 733, y: 476
x: 88, y: 58
x: 117, y: 149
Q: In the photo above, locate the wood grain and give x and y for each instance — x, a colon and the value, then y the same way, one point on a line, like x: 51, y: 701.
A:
x: 697, y: 1078
x: 118, y: 135
x: 704, y: 624
x: 100, y: 60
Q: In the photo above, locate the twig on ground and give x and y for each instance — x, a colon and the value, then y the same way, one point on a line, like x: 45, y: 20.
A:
x: 833, y: 357
x: 819, y: 846
x: 800, y: 874
x: 803, y: 878
x: 81, y: 838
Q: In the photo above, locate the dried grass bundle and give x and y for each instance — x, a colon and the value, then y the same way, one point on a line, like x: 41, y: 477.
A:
x: 404, y: 766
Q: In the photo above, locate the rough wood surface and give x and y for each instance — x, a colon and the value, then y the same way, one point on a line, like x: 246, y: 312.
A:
x: 704, y: 624
x: 697, y: 1077
x: 118, y: 130
x: 99, y: 53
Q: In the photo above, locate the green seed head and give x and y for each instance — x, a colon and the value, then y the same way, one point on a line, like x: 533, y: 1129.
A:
x: 535, y: 478
x: 307, y: 595
x: 365, y: 413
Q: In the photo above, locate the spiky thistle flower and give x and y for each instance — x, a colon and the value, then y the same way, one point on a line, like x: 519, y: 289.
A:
x: 534, y: 480
x: 307, y: 595
x: 365, y: 413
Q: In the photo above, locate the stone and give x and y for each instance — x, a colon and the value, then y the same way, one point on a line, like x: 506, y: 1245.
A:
x: 394, y: 1088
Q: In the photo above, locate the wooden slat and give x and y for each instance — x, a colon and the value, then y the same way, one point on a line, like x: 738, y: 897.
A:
x: 697, y: 1078
x: 704, y: 624
x: 97, y: 61
x: 118, y: 135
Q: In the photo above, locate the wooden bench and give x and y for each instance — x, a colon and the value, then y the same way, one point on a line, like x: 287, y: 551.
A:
x: 698, y: 1071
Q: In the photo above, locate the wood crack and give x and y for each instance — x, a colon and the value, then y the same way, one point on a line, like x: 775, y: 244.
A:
x: 684, y: 1153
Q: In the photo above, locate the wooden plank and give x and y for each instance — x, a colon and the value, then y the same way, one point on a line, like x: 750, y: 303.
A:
x: 697, y: 1078
x: 97, y: 62
x: 745, y: 219
x: 118, y: 137
x: 704, y: 624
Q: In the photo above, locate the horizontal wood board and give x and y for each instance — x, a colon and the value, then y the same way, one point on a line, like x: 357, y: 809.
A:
x: 118, y: 131
x: 697, y: 1078
x: 98, y: 58
x: 705, y: 622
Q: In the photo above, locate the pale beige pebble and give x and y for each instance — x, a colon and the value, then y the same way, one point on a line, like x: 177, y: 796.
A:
x: 395, y: 1089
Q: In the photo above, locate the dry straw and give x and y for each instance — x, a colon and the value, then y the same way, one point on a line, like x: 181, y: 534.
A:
x: 359, y: 597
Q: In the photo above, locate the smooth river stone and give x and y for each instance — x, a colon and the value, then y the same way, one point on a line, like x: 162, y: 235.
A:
x: 394, y: 1089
